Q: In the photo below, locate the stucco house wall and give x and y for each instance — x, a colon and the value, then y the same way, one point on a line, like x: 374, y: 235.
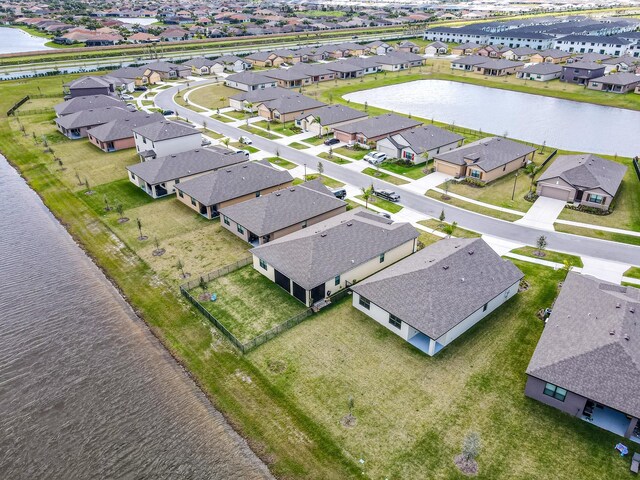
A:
x: 573, y: 403
x: 496, y: 173
x: 169, y: 146
x: 120, y: 144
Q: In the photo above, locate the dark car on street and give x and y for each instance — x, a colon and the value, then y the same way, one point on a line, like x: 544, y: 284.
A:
x: 387, y: 195
x: 331, y: 141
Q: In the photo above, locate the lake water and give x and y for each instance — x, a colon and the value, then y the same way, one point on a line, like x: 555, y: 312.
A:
x: 14, y: 40
x: 564, y: 124
x: 138, y: 20
x: 86, y: 391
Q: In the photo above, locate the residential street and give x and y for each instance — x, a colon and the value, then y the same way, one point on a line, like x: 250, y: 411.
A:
x: 562, y: 242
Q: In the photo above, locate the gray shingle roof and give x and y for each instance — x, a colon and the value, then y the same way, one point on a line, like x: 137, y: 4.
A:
x: 425, y: 138
x: 164, y: 130
x: 586, y: 171
x: 554, y: 53
x: 87, y: 102
x: 395, y: 58
x: 332, y: 114
x: 343, y: 66
x: 320, y: 252
x: 93, y: 116
x: 380, y: 125
x: 262, y: 95
x: 165, y: 67
x: 488, y: 153
x: 618, y: 79
x: 545, y: 68
x: 293, y: 103
x: 199, y: 62
x: 249, y: 78
x: 584, y: 346
x: 500, y: 64
x: 184, y: 164
x: 123, y: 127
x: 438, y: 287
x: 584, y: 66
x: 311, y: 69
x: 233, y: 182
x: 470, y: 60
x: 285, y: 74
x: 283, y: 208
x: 90, y: 81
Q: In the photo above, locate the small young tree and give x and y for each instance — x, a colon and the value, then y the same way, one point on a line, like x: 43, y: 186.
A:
x: 87, y: 186
x: 226, y: 142
x: 202, y: 284
x: 447, y: 185
x: 366, y: 106
x: 78, y: 178
x: 320, y: 169
x: 120, y: 210
x: 330, y: 152
x: 471, y: 446
x: 450, y: 229
x: 541, y: 244
x: 442, y: 216
x: 277, y: 153
x: 107, y: 207
x: 139, y: 225
x: 180, y: 266
x: 367, y: 192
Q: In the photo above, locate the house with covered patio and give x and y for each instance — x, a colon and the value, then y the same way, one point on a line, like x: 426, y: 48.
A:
x: 615, y: 83
x: 118, y: 134
x: 587, y: 361
x: 435, y: 295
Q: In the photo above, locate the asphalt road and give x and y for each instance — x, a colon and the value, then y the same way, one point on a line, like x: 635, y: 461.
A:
x: 562, y: 242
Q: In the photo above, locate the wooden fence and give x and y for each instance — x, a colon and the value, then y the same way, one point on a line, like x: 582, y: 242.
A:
x: 17, y: 105
x: 637, y: 168
x: 217, y: 273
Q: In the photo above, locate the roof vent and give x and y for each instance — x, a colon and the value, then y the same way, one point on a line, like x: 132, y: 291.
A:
x: 612, y: 332
x: 277, y: 194
x: 292, y: 189
x: 349, y: 224
x: 632, y: 310
x: 245, y: 166
x: 626, y: 337
x: 173, y: 156
x: 197, y: 150
x: 470, y: 252
x: 445, y: 267
x: 618, y: 305
x: 323, y: 234
x: 462, y: 279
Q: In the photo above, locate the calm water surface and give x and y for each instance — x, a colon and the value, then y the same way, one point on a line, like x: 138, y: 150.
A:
x: 86, y: 391
x: 564, y: 124
x: 14, y: 40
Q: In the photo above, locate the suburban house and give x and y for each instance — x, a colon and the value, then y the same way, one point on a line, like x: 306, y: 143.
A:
x: 590, y: 57
x: 286, y: 109
x: 468, y: 48
x: 407, y: 46
x: 485, y: 160
x: 497, y: 67
x: 249, y: 100
x: 625, y: 63
x: 520, y: 54
x: 159, y: 176
x: 118, y: 134
x: 249, y: 81
x: 602, y: 44
x: 615, y: 83
x: 346, y: 49
x: 368, y: 65
x: 419, y: 144
x: 379, y: 47
x: 209, y: 193
x: 279, y: 213
x: 345, y: 70
x: 75, y: 125
x: 163, y: 138
x: 368, y: 131
x: 323, y: 120
x: 581, y: 72
x: 313, y: 54
x: 265, y: 59
x: 436, y: 48
x: 582, y: 179
x: 233, y: 64
x: 492, y: 51
x: 317, y: 72
x: 313, y: 263
x: 90, y: 85
x: 204, y: 66
x: 432, y: 297
x: 288, y: 78
x: 467, y: 63
x: 540, y: 72
x: 158, y: 71
x: 587, y: 360
x: 550, y: 56
x: 88, y: 102
x: 399, y: 61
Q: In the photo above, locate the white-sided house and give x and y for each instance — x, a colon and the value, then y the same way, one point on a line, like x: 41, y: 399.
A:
x: 419, y: 144
x: 159, y: 176
x: 432, y: 297
x: 322, y: 120
x: 314, y: 263
x: 436, y: 48
x: 249, y: 81
x: 540, y: 72
x: 165, y: 138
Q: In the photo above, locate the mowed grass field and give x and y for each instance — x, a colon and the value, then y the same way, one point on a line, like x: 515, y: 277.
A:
x: 413, y: 411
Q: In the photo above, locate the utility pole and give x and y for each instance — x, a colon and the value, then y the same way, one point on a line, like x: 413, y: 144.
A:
x: 515, y: 180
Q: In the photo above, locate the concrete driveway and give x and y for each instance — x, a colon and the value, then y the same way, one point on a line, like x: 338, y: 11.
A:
x: 427, y: 182
x: 543, y: 213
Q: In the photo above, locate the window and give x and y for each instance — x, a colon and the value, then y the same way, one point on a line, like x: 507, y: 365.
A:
x: 381, y: 257
x: 257, y: 194
x: 599, y: 199
x: 395, y: 321
x: 554, y: 391
x: 225, y: 219
x: 193, y: 202
x: 304, y: 224
x: 475, y: 173
x: 484, y: 307
x: 263, y: 264
x: 240, y: 230
x: 133, y: 177
x: 177, y: 181
x: 180, y: 194
x: 336, y: 281
x: 364, y: 303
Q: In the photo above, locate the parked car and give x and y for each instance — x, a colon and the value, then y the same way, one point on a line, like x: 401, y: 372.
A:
x: 385, y: 215
x: 375, y: 158
x: 168, y: 112
x: 126, y: 96
x: 131, y: 107
x: 140, y: 88
x: 340, y: 193
x: 331, y: 141
x: 387, y: 195
x: 245, y: 140
x: 205, y: 142
x: 245, y: 152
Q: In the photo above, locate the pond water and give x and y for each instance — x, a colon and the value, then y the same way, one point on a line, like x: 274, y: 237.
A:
x: 14, y: 40
x: 563, y: 124
x: 138, y: 20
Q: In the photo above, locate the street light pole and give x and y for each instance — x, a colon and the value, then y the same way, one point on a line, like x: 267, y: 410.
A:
x: 305, y: 172
x: 515, y: 180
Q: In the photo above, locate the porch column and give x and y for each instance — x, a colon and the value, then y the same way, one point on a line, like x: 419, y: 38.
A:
x: 632, y: 424
x: 432, y: 346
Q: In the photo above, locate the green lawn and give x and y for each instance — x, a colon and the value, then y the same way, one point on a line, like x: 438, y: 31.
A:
x: 315, y: 140
x: 286, y: 129
x: 281, y: 162
x: 458, y: 232
x: 211, y: 96
x: 298, y: 146
x: 413, y: 411
x: 411, y: 171
x: 243, y: 146
x: 356, y: 154
x: 222, y: 118
x: 510, y: 217
x: 262, y: 133
x: 237, y: 115
x: 550, y: 256
x: 602, y: 235
x: 380, y: 175
x: 328, y: 181
x: 121, y: 192
x: 426, y: 239
x: 333, y: 158
x: 248, y: 303
x: 633, y: 272
x: 382, y: 203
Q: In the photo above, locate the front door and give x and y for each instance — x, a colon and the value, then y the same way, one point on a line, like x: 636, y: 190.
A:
x: 579, y: 195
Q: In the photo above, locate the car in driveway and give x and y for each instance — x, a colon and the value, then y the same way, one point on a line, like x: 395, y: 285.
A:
x: 375, y: 158
x: 331, y: 141
x: 168, y: 112
x: 389, y: 195
x: 244, y: 152
x: 245, y: 140
x: 140, y: 88
x: 205, y: 142
x: 340, y: 193
x: 126, y: 96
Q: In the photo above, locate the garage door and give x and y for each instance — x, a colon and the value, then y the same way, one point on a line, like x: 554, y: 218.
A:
x: 553, y: 191
x: 447, y: 168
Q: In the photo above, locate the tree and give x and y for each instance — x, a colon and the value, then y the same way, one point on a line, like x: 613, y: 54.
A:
x: 330, y: 152
x: 471, y: 446
x: 541, y: 244
x: 531, y: 169
x: 366, y: 106
x: 120, y: 210
x: 180, y: 266
x: 202, y: 284
x: 226, y: 142
x: 442, y: 216
x: 320, y: 169
x: 86, y: 184
x: 277, y: 153
x: 450, y: 229
x: 447, y: 184
x: 139, y: 225
x: 107, y: 207
x: 367, y: 192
